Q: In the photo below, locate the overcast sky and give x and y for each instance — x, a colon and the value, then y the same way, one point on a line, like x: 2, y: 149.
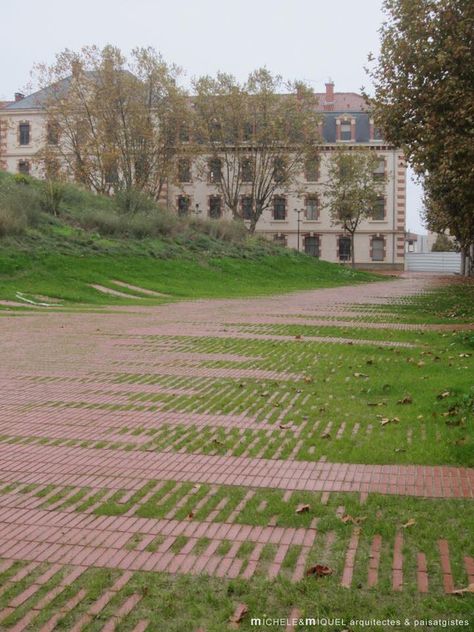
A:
x: 299, y: 39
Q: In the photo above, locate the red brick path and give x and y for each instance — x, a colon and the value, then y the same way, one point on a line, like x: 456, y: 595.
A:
x: 69, y: 357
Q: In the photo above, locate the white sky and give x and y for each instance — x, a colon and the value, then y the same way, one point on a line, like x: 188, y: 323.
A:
x: 299, y: 39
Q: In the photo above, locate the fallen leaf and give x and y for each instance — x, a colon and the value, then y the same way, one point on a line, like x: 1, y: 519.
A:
x: 190, y: 515
x: 410, y: 523
x: 405, y: 400
x: 443, y: 395
x: 302, y: 509
x: 465, y: 355
x: 461, y: 591
x: 387, y: 420
x: 360, y: 375
x: 285, y: 426
x: 217, y: 442
x: 420, y: 363
x: 239, y: 614
x: 308, y: 380
x: 357, y: 520
x: 326, y: 435
x: 400, y: 450
x: 298, y: 337
x: 319, y: 570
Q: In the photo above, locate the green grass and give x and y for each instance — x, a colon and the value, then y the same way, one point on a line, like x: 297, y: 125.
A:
x: 93, y: 242
x: 68, y: 277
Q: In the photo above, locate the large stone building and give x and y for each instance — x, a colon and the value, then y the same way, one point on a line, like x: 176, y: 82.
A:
x: 346, y: 121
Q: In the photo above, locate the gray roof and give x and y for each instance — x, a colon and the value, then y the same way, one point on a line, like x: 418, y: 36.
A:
x: 39, y: 98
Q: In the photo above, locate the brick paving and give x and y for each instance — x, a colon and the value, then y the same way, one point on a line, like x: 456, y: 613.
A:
x: 70, y: 380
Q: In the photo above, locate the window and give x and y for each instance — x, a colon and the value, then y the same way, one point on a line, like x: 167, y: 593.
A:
x: 184, y: 170
x: 248, y: 130
x: 111, y: 173
x: 279, y: 207
x: 215, y: 170
x: 279, y: 170
x: 378, y: 249
x: 279, y: 239
x: 184, y: 204
x: 24, y: 133
x: 215, y: 129
x: 247, y: 207
x: 184, y: 133
x: 377, y: 133
x: 215, y: 206
x: 378, y: 212
x: 379, y: 171
x: 312, y: 207
x: 52, y: 132
x: 346, y: 130
x: 311, y: 170
x: 247, y: 167
x: 24, y: 167
x: 344, y: 248
x: 311, y: 245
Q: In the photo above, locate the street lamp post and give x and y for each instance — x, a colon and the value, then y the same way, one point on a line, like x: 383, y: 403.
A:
x: 299, y: 211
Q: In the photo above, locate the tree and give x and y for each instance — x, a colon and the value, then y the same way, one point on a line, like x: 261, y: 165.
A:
x: 113, y: 124
x: 443, y: 244
x: 352, y: 190
x: 255, y: 138
x: 424, y: 85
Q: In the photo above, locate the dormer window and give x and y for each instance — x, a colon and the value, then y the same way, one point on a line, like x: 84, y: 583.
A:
x: 346, y: 130
x: 375, y: 132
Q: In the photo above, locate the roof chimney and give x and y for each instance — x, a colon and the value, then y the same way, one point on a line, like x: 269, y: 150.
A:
x: 329, y: 97
x: 19, y: 96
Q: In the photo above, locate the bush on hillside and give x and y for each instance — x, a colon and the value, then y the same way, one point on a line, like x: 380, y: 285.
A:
x: 27, y: 202
x: 20, y: 205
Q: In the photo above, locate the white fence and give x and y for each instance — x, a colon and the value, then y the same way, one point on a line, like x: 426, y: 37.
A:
x: 442, y: 262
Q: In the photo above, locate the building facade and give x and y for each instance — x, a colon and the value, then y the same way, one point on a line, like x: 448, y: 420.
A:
x: 295, y: 219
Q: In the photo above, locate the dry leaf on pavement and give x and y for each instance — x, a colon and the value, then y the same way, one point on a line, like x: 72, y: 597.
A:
x: 319, y: 570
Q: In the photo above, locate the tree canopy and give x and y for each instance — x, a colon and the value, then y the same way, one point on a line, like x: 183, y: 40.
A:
x: 112, y: 123
x: 352, y: 190
x: 424, y: 101
x: 258, y: 137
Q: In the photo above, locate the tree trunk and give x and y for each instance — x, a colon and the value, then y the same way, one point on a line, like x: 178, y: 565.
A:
x: 463, y: 262
x: 252, y: 225
x: 352, y: 250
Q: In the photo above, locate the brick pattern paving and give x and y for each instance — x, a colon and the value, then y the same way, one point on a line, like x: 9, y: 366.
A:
x: 81, y: 394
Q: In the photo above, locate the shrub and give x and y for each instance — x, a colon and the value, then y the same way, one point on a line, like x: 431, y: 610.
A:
x: 230, y: 231
x: 52, y: 196
x: 21, y: 204
x: 11, y: 223
x: 132, y: 201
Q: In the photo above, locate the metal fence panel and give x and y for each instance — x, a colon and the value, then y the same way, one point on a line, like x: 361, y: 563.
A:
x: 443, y: 262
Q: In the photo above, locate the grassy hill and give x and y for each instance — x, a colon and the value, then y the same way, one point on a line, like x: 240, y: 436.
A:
x: 57, y: 242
